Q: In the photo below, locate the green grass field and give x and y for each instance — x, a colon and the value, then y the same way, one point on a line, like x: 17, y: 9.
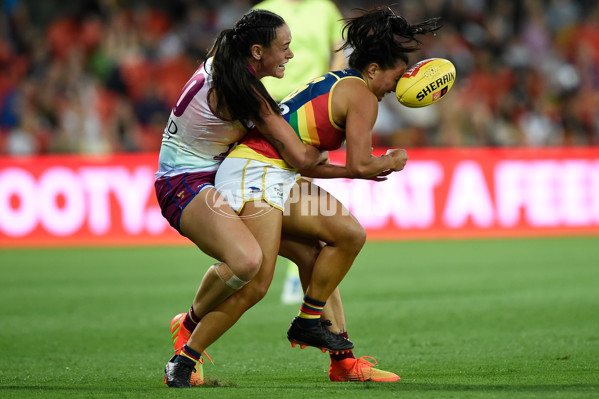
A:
x: 515, y: 318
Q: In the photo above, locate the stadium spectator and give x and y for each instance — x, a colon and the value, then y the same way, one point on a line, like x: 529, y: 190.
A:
x: 552, y: 42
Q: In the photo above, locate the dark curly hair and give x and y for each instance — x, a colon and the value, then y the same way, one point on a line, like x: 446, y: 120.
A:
x: 381, y: 36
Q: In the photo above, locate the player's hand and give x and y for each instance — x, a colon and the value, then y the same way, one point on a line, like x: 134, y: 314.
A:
x: 324, y: 158
x: 399, y: 158
x: 381, y: 176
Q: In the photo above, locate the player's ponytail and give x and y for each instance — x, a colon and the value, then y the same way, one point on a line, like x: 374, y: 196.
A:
x: 381, y: 36
x: 238, y: 91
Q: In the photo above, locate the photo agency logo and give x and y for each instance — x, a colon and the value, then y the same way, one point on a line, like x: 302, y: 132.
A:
x: 298, y: 199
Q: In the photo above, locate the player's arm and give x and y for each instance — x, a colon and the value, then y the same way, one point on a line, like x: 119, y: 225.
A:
x: 331, y: 171
x: 282, y: 136
x: 326, y: 171
x: 362, y: 109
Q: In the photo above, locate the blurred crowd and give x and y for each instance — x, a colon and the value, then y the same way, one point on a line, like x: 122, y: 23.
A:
x: 100, y: 76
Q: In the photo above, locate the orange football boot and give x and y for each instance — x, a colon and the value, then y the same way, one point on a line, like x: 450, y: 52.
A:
x: 179, y: 333
x: 197, y: 375
x: 359, y: 370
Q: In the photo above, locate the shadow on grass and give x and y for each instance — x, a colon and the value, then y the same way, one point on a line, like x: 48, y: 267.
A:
x: 210, y: 383
x: 330, y: 387
x: 487, y: 388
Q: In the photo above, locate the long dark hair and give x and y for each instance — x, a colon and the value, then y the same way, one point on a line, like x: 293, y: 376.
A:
x: 381, y: 36
x: 239, y: 93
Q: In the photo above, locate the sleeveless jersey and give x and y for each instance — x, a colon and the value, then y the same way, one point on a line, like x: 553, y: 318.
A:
x: 195, y: 139
x: 308, y: 111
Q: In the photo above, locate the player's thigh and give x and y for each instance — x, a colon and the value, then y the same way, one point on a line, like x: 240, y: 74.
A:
x: 313, y: 212
x: 213, y: 226
x: 265, y: 226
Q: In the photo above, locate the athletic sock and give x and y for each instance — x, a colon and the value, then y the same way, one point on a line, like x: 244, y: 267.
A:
x: 191, y: 320
x: 309, y: 314
x: 346, y: 355
x: 188, y: 356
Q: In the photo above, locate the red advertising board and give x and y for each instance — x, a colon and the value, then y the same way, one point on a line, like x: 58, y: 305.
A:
x: 457, y: 193
x: 480, y: 193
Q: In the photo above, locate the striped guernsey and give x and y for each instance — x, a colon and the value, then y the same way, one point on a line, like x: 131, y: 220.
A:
x: 308, y: 111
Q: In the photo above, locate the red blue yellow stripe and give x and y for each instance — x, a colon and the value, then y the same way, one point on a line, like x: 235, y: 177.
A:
x: 190, y: 354
x: 311, y: 308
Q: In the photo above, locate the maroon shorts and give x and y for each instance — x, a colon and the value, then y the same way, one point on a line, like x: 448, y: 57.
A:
x: 175, y: 192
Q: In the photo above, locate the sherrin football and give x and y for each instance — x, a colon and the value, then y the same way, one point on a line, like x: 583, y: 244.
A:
x: 426, y: 82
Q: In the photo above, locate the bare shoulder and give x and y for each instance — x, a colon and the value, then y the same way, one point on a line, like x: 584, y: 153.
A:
x: 351, y: 83
x: 351, y: 93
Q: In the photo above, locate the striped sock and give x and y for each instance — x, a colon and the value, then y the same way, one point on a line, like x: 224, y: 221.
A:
x: 188, y: 356
x: 346, y: 355
x: 309, y: 314
x: 191, y: 320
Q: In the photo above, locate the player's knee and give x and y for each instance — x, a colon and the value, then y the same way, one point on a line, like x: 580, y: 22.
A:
x: 224, y: 272
x: 247, y: 264
x: 354, y: 236
x: 251, y: 265
x: 309, y: 256
x: 360, y: 236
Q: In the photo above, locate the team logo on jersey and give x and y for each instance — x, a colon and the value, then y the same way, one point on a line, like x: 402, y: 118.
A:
x: 171, y: 129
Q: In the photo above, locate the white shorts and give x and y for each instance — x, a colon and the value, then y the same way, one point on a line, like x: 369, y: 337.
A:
x: 240, y: 180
